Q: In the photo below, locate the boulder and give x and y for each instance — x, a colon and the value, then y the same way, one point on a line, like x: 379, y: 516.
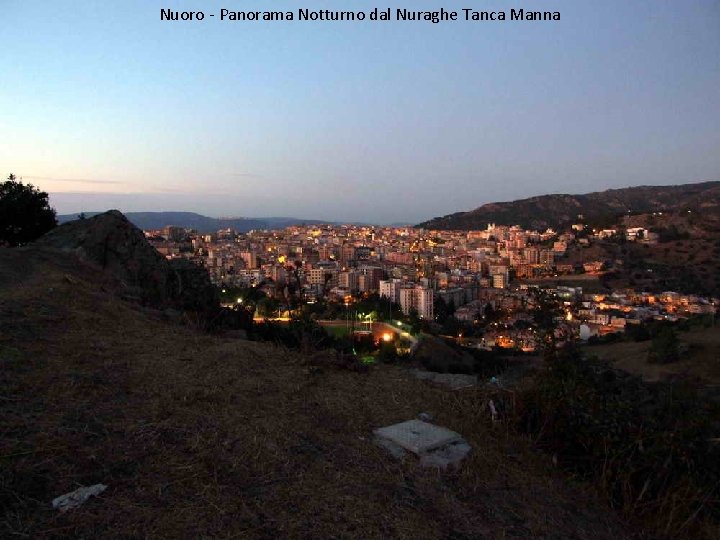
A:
x: 114, y: 243
x: 119, y: 247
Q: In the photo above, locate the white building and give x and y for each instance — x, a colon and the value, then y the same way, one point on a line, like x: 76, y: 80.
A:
x: 391, y: 289
x: 419, y: 298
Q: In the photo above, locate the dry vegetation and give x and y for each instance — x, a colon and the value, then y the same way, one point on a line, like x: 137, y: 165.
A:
x: 198, y: 435
x: 701, y: 362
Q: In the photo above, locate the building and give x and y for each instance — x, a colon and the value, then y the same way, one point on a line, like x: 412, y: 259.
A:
x: 372, y: 276
x: 391, y: 289
x: 547, y: 258
x: 407, y: 299
x: 250, y: 259
x: 316, y: 276
x: 425, y: 303
x: 348, y: 280
x: 421, y: 299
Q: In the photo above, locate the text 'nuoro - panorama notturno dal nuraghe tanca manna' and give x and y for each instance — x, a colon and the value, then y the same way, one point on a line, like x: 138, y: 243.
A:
x: 376, y: 14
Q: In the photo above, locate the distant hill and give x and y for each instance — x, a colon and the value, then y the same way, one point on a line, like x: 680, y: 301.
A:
x: 599, y: 208
x: 204, y: 224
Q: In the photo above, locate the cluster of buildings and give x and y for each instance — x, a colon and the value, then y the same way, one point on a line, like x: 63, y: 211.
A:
x: 416, y: 268
x: 412, y: 267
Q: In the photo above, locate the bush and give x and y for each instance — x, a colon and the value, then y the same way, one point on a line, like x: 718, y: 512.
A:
x: 637, y: 332
x: 648, y: 446
x: 665, y: 346
x: 387, y: 353
x: 25, y: 214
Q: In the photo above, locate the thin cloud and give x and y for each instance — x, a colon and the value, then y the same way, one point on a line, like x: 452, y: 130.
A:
x: 246, y: 175
x: 74, y: 180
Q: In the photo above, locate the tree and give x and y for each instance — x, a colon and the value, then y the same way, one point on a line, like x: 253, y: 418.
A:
x: 25, y: 214
x: 414, y: 321
x: 545, y: 312
x: 267, y: 307
x: 664, y: 347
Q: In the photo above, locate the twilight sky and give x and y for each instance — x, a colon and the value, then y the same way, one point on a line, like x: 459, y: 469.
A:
x: 103, y: 105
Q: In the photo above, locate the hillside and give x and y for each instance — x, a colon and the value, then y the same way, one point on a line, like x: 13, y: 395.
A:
x: 598, y: 209
x: 686, y: 258
x: 200, y: 435
x: 203, y: 224
x: 700, y: 364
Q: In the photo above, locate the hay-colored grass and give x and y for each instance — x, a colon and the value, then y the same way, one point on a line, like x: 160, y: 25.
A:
x: 198, y: 435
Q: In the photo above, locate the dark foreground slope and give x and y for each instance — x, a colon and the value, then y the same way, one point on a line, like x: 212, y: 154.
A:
x: 599, y: 209
x: 199, y: 435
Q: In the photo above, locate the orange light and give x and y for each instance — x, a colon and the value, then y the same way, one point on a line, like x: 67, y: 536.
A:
x: 387, y: 336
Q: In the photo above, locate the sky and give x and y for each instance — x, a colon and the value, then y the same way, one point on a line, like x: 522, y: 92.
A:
x: 103, y: 105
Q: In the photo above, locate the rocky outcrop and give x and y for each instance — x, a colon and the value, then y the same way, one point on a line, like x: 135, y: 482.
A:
x: 435, y: 355
x: 112, y: 242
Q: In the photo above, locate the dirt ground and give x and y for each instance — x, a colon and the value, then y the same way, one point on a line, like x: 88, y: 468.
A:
x: 198, y: 435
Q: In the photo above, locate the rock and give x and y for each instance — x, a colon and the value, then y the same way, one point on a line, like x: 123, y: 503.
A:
x: 114, y: 243
x: 119, y: 247
x: 435, y: 446
x: 78, y: 497
x: 425, y: 417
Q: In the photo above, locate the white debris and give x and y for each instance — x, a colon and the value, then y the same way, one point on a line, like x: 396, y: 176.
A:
x: 493, y: 410
x: 77, y: 497
x: 435, y: 446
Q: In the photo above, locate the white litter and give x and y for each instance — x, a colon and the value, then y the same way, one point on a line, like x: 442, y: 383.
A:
x: 77, y: 497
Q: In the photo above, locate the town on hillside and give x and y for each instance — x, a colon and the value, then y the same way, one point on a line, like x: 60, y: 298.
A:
x: 473, y: 286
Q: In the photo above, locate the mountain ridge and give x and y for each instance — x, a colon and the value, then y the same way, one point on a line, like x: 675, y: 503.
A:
x: 599, y: 208
x: 199, y: 222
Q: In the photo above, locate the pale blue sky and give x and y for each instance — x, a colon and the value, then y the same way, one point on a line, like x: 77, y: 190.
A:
x: 104, y: 105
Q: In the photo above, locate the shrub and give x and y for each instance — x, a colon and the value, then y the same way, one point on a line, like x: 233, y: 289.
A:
x: 664, y: 348
x: 648, y: 446
x: 25, y: 214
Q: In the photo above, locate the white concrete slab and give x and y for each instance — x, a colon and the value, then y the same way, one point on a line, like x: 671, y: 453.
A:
x: 447, y: 456
x: 417, y: 436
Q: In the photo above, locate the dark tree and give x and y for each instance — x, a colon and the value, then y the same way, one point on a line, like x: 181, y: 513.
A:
x: 545, y: 313
x: 664, y: 347
x: 441, y: 310
x: 25, y: 214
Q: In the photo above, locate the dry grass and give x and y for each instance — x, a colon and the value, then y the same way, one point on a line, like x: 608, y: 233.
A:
x: 701, y: 362
x: 202, y: 436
